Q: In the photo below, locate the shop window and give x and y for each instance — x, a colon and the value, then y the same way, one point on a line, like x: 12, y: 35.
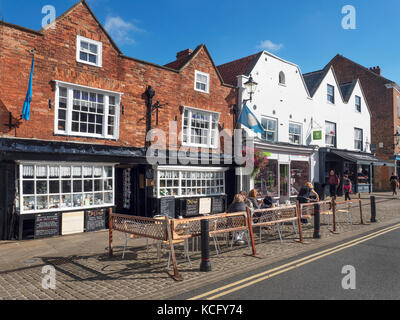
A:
x: 200, y: 128
x: 271, y: 129
x: 53, y: 187
x: 86, y: 112
x: 299, y: 175
x: 190, y: 183
x: 363, y: 176
x: 266, y: 182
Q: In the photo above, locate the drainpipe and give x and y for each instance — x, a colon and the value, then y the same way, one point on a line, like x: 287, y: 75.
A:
x: 150, y: 93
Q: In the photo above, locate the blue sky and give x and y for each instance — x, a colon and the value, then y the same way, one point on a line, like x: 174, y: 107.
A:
x: 308, y: 32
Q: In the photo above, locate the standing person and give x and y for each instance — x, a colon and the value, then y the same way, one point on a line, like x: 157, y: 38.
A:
x: 304, y: 196
x: 394, y: 182
x: 334, y: 182
x: 347, y: 187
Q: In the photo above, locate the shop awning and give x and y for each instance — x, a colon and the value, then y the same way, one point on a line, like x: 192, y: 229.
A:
x: 363, y: 159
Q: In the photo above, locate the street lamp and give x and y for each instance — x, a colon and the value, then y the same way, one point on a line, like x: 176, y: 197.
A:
x: 251, y: 87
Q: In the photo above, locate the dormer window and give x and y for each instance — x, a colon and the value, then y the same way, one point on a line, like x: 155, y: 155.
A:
x: 282, y: 78
x: 202, y: 82
x: 89, y: 51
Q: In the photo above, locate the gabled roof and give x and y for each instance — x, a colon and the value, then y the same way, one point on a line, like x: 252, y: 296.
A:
x: 229, y: 71
x: 360, y: 66
x: 313, y: 79
x: 181, y: 63
x: 84, y: 3
x: 347, y: 89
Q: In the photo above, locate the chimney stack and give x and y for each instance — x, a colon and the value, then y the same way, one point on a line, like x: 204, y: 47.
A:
x: 184, y: 54
x: 376, y: 70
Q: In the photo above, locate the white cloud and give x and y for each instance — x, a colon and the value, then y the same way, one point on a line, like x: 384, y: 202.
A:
x: 269, y: 45
x: 121, y: 30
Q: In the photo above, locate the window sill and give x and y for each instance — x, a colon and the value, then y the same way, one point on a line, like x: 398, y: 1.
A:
x: 201, y: 91
x: 60, y: 134
x: 68, y: 209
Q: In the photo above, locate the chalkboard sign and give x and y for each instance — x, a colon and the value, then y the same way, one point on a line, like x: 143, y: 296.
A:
x: 218, y: 205
x: 167, y: 207
x: 95, y: 220
x: 47, y: 225
x: 192, y: 207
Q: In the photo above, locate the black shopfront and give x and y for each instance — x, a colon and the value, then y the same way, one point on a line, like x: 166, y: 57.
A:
x: 359, y: 167
x: 58, y: 188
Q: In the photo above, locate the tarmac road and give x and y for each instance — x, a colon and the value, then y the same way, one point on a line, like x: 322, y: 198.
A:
x: 318, y: 275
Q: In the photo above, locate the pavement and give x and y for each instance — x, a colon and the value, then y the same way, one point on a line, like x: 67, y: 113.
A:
x: 85, y: 272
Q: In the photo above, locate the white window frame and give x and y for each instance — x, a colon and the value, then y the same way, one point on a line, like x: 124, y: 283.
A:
x: 60, y: 179
x: 189, y: 129
x: 335, y: 135
x: 293, y: 134
x: 180, y: 170
x: 358, y: 105
x: 358, y: 141
x: 329, y: 95
x: 68, y: 128
x: 266, y: 129
x: 207, y: 84
x: 99, y: 53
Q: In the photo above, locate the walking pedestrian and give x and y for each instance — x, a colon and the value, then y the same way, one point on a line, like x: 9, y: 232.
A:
x: 334, y: 182
x: 394, y: 182
x: 347, y: 187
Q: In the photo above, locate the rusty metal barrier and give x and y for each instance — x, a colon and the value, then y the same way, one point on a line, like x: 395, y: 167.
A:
x: 273, y: 216
x: 332, y: 208
x: 172, y: 230
x: 221, y: 223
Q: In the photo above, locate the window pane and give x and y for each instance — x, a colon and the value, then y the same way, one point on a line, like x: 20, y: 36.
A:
x: 83, y: 56
x: 28, y: 187
x: 54, y: 186
x: 41, y: 187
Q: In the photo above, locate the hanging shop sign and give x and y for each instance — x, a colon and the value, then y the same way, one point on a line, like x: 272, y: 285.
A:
x: 317, y: 135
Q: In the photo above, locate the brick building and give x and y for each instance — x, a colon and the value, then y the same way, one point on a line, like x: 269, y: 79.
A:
x: 84, y: 148
x: 383, y: 97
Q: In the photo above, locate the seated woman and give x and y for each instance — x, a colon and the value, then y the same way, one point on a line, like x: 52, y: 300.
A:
x: 238, y: 204
x: 252, y: 201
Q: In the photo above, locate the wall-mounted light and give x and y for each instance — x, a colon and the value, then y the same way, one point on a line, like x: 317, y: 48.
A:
x: 123, y: 110
x: 251, y: 87
x: 49, y: 104
x: 176, y: 118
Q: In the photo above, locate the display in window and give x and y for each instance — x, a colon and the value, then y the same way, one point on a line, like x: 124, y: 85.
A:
x: 299, y: 175
x: 54, y: 202
x: 266, y: 181
x: 29, y: 203
x: 42, y: 203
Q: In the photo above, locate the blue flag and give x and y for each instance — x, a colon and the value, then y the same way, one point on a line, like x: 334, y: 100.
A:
x: 248, y: 119
x: 26, y: 111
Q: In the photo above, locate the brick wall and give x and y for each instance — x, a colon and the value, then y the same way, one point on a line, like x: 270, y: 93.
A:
x: 56, y: 60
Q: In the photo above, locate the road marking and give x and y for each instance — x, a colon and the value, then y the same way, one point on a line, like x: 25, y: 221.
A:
x: 291, y: 265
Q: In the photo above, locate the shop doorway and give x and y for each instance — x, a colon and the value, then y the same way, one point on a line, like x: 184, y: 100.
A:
x: 284, y: 182
x: 126, y: 190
